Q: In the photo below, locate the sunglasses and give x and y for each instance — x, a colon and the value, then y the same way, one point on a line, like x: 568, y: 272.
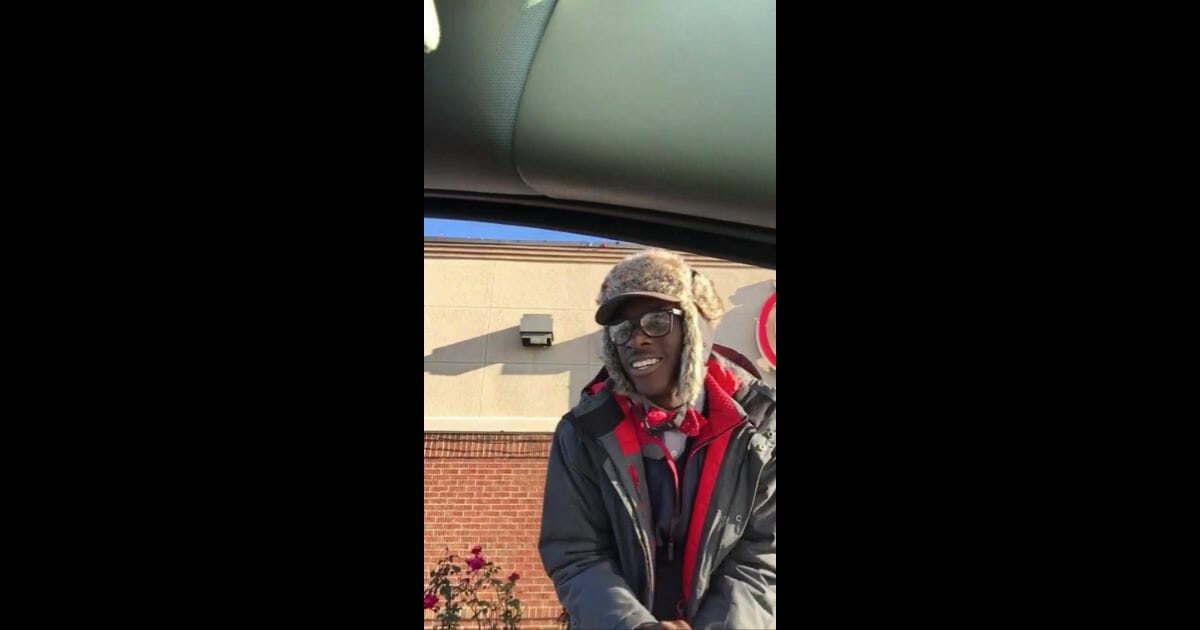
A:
x: 653, y: 324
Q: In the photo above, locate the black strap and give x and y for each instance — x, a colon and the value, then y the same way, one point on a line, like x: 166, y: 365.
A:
x: 737, y: 359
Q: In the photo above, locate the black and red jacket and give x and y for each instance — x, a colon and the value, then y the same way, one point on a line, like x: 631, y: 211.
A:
x: 600, y: 539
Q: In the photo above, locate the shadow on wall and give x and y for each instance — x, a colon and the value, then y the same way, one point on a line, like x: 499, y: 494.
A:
x: 740, y: 327
x: 563, y: 369
x: 749, y: 299
x: 506, y: 349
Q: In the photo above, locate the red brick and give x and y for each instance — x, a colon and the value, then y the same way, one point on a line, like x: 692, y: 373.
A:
x: 496, y: 502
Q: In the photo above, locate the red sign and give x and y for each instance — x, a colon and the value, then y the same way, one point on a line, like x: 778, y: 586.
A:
x: 766, y: 330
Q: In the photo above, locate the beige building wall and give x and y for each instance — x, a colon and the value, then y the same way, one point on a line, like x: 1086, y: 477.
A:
x: 478, y: 376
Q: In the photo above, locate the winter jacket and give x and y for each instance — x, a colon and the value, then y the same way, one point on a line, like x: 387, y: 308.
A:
x: 597, y: 539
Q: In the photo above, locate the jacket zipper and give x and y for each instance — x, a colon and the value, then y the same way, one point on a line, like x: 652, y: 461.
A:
x: 679, y: 477
x: 678, y: 500
x: 678, y: 512
x: 678, y: 516
x: 679, y: 503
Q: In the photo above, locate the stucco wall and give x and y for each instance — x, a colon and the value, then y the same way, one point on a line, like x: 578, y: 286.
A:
x: 478, y: 376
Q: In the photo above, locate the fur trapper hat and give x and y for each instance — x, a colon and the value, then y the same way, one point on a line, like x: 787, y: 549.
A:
x: 663, y: 275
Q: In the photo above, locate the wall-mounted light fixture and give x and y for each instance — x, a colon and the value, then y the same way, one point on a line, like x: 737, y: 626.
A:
x: 537, y: 330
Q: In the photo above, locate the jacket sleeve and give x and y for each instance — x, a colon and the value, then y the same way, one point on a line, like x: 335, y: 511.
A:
x: 741, y: 593
x: 576, y: 543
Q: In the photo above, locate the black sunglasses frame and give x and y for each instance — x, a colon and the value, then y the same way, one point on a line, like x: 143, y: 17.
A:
x: 608, y: 329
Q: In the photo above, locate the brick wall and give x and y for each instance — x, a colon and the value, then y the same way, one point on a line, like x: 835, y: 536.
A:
x: 486, y: 489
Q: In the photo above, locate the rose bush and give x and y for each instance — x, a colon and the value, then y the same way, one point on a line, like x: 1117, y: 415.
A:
x: 474, y: 594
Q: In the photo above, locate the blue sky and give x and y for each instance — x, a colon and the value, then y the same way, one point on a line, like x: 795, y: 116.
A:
x: 475, y: 229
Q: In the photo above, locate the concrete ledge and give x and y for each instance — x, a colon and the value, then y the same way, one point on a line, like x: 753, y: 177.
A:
x: 478, y: 424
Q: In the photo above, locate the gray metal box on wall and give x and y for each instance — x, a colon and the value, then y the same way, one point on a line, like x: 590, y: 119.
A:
x: 537, y: 330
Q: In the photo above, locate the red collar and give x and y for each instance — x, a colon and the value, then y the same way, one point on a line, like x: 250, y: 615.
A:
x: 719, y: 384
x: 723, y: 413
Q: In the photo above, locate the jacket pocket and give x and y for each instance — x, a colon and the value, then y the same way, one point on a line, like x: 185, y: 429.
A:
x: 741, y: 507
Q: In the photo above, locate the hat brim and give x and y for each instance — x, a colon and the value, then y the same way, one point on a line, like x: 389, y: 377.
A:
x: 608, y: 310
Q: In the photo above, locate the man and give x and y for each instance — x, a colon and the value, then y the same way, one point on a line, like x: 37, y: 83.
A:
x: 659, y: 509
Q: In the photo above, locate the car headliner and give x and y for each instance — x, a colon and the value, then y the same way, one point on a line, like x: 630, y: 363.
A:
x: 574, y: 114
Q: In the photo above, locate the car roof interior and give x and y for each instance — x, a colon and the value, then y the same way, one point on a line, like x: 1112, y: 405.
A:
x: 650, y: 122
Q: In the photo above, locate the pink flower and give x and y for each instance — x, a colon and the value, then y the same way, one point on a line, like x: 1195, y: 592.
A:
x: 477, y: 549
x: 475, y: 562
x: 514, y: 577
x: 431, y: 600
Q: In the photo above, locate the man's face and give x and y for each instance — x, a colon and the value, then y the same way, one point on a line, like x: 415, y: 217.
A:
x: 652, y: 363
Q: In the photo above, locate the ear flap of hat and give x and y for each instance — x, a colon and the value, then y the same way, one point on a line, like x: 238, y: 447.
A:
x: 692, y: 363
x: 708, y: 301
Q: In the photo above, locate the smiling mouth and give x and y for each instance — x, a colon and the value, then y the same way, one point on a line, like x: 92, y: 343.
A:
x: 645, y: 365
